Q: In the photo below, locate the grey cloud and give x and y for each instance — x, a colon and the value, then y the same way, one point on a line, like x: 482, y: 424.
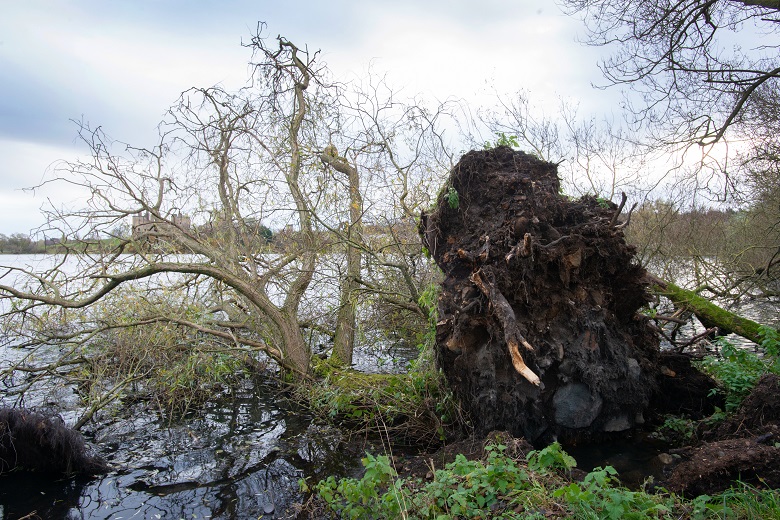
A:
x: 33, y: 109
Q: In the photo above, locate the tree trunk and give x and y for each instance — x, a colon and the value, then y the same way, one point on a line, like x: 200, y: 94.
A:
x: 344, y: 339
x: 296, y: 351
x: 709, y: 314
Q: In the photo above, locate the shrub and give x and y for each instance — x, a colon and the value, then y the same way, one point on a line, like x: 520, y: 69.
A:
x: 738, y: 370
x: 496, y: 487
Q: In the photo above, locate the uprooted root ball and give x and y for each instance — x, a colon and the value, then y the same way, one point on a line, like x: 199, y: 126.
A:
x: 35, y: 442
x: 538, y: 330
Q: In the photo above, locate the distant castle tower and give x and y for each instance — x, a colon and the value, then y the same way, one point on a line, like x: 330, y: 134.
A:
x: 145, y: 224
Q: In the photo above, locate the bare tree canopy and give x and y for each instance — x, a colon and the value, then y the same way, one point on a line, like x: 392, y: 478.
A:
x: 171, y: 252
x: 695, y: 64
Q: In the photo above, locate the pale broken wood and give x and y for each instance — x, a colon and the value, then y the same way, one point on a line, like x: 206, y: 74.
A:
x: 521, y: 248
x: 508, y: 321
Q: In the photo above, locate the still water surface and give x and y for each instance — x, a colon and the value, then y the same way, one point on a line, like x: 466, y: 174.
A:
x: 240, y: 457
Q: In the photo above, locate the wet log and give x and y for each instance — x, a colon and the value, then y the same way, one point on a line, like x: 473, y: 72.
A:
x: 538, y: 332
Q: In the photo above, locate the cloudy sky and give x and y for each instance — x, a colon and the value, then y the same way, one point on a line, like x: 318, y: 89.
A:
x: 120, y: 63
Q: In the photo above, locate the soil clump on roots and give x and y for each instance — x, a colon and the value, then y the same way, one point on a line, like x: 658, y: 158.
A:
x: 743, y: 447
x: 538, y: 330
x: 32, y: 441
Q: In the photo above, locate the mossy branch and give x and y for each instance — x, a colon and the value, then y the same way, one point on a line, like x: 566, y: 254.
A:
x: 708, y: 313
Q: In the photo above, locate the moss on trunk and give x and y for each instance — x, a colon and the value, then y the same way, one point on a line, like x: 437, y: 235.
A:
x: 708, y: 313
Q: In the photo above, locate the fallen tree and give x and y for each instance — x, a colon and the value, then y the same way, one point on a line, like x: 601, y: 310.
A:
x: 709, y: 314
x: 538, y: 330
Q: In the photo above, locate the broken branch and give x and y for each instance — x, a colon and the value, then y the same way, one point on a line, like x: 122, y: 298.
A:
x: 623, y: 199
x: 506, y: 316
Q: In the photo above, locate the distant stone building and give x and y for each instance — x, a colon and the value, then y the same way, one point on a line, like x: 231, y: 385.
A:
x: 146, y: 224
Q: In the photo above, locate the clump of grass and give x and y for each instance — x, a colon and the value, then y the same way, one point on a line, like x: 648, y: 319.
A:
x: 156, y: 360
x: 414, y: 408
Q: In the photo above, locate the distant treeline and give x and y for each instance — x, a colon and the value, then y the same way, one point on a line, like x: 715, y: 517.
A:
x: 20, y: 244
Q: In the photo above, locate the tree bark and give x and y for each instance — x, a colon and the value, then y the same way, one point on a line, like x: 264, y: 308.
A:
x: 344, y: 339
x: 707, y: 312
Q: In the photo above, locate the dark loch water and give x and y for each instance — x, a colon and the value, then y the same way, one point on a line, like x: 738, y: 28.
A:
x: 241, y: 458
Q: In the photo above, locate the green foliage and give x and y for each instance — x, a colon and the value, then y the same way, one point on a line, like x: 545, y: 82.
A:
x: 678, y: 430
x: 463, y: 489
x: 770, y: 341
x: 598, y: 497
x: 604, y: 203
x: 503, y: 140
x: 467, y: 488
x: 499, y: 486
x: 650, y: 312
x: 553, y: 457
x: 429, y: 301
x: 718, y: 416
x: 738, y: 370
x: 373, y: 496
x: 453, y: 199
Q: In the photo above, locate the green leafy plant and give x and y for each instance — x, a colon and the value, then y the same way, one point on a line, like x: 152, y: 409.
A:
x: 737, y: 370
x: 604, y: 203
x: 650, y: 312
x: 553, y: 457
x: 678, y: 430
x: 503, y: 139
x: 375, y: 495
x: 718, y: 416
x: 429, y: 301
x: 597, y: 496
x: 453, y: 199
x: 463, y: 489
x: 499, y: 486
x: 770, y: 341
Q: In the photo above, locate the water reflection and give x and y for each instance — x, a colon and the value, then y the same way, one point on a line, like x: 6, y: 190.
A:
x: 242, y: 458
